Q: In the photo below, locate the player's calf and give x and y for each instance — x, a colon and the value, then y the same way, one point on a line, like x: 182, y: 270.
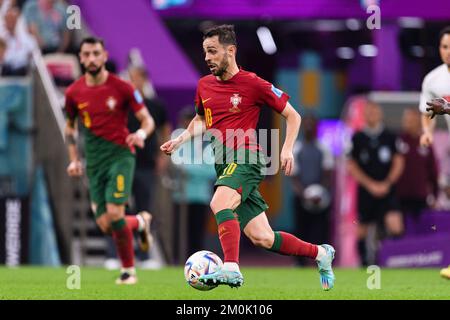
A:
x: 263, y: 240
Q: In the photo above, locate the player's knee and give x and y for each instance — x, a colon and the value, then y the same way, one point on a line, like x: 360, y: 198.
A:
x: 114, y: 214
x: 217, y: 205
x: 214, y: 205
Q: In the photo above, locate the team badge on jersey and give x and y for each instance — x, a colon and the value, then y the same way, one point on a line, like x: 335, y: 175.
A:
x: 235, y: 100
x: 111, y: 102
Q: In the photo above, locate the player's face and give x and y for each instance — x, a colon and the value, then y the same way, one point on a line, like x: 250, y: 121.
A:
x: 93, y: 57
x: 444, y: 49
x: 217, y: 56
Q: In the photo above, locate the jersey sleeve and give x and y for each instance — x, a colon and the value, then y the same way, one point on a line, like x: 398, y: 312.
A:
x: 425, y: 95
x: 198, y: 103
x: 270, y: 95
x: 70, y: 106
x: 134, y: 98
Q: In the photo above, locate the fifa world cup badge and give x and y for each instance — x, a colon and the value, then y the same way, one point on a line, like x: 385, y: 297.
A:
x: 235, y: 100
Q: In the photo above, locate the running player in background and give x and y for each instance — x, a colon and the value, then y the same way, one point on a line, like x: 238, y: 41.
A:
x: 102, y: 101
x: 436, y: 84
x: 435, y: 98
x: 230, y: 100
x: 440, y: 106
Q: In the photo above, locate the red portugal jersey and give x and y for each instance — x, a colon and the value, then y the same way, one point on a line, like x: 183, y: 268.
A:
x: 235, y: 104
x: 103, y: 110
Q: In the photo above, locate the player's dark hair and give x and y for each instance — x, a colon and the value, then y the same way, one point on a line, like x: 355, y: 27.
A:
x: 2, y: 43
x: 225, y: 32
x: 443, y: 32
x: 92, y: 40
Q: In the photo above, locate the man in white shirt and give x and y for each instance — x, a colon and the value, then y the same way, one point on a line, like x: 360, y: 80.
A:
x: 20, y: 44
x: 435, y: 98
x: 436, y: 84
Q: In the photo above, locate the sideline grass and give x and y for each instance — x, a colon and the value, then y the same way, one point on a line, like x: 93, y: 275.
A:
x: 260, y: 283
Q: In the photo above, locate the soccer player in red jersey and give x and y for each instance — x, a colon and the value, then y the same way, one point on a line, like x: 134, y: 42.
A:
x: 229, y: 100
x: 102, y: 101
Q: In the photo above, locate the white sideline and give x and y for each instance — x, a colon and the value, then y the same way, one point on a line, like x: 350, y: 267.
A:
x: 50, y: 89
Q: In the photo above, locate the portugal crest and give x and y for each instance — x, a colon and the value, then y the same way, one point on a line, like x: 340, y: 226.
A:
x: 111, y: 102
x: 235, y: 100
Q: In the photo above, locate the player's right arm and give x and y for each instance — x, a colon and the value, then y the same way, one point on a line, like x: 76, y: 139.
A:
x: 75, y: 169
x: 196, y: 127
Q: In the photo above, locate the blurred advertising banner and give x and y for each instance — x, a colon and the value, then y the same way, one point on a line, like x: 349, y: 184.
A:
x: 14, y: 230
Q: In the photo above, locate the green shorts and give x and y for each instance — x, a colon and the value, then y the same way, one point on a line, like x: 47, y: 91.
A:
x: 245, y: 179
x: 111, y: 183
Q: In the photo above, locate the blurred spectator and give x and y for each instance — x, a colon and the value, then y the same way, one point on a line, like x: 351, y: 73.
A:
x: 419, y: 180
x: 148, y: 160
x: 196, y: 180
x: 147, y: 164
x: 4, y: 6
x: 46, y: 20
x: 19, y: 43
x: 311, y: 183
x: 376, y: 165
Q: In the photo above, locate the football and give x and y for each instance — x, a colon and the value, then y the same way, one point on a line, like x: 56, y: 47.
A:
x: 198, y: 264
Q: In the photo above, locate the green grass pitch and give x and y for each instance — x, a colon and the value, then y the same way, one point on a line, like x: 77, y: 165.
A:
x: 260, y: 283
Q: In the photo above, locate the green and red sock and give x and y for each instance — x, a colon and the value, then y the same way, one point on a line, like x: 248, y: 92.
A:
x: 123, y: 238
x: 288, y: 244
x: 229, y: 234
x: 132, y: 222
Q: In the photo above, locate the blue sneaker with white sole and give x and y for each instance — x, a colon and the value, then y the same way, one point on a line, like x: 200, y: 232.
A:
x: 327, y: 277
x: 232, y: 278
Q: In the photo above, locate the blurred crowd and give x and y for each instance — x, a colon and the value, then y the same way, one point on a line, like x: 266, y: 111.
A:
x: 27, y: 25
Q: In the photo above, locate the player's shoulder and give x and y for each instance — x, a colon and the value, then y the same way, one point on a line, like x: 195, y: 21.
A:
x: 251, y: 78
x: 249, y: 75
x: 75, y: 86
x: 436, y: 73
x: 116, y: 80
x: 123, y: 86
x: 205, y: 80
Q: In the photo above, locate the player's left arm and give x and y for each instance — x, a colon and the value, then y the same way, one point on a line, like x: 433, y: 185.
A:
x: 293, y: 121
x: 147, y: 127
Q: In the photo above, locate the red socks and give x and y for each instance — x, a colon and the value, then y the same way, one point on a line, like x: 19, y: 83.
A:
x: 123, y: 238
x: 132, y: 222
x: 284, y: 243
x: 287, y: 244
x: 229, y: 235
